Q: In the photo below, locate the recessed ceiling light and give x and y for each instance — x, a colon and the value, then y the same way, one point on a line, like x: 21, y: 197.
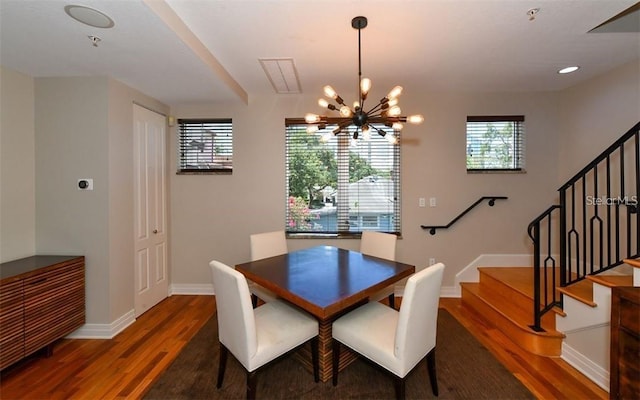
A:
x: 89, y: 16
x: 568, y: 70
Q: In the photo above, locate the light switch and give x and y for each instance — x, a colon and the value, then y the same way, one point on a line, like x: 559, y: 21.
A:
x: 421, y: 202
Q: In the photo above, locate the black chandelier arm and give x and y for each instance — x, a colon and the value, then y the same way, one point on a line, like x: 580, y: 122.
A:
x: 380, y: 131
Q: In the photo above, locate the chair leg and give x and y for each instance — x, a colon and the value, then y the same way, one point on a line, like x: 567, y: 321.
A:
x: 336, y: 361
x: 315, y: 359
x: 222, y: 364
x: 392, y: 300
x: 251, y: 385
x: 400, y: 387
x: 254, y: 300
x: 431, y: 367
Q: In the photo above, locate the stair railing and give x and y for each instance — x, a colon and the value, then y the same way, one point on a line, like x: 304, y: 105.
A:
x: 598, y: 224
x: 547, y: 270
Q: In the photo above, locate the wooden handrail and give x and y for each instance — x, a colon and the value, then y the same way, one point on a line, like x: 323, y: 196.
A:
x: 492, y: 200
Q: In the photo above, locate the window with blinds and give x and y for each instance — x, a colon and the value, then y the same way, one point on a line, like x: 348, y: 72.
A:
x: 495, y: 143
x: 338, y: 188
x: 205, y: 146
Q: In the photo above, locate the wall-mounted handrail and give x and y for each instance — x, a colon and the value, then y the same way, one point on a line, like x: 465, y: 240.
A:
x: 491, y: 199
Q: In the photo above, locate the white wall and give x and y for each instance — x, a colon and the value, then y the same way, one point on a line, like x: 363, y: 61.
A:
x: 17, y: 166
x: 213, y: 215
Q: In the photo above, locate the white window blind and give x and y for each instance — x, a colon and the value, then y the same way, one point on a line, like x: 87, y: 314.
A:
x: 339, y: 189
x: 205, y: 146
x: 495, y: 143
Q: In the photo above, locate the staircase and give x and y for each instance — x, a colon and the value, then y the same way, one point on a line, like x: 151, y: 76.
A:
x: 504, y: 298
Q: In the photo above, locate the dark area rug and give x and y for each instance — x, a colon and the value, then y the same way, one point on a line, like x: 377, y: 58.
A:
x: 465, y: 369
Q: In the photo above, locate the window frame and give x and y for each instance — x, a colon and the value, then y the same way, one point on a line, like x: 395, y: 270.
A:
x: 518, y: 137
x: 393, y: 218
x: 187, y: 132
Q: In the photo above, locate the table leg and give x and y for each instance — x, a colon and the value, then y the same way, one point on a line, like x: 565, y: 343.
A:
x: 325, y: 355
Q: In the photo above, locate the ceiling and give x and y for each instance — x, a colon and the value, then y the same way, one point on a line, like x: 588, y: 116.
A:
x: 189, y: 51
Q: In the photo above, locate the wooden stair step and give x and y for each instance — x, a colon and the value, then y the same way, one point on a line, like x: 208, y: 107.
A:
x: 517, y: 283
x: 581, y: 291
x: 634, y: 262
x: 513, y: 320
x: 612, y: 280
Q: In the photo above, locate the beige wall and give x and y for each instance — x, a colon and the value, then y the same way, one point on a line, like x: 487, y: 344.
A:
x: 71, y: 117
x: 17, y: 166
x: 212, y: 216
x: 596, y: 114
x: 84, y: 130
x: 82, y: 126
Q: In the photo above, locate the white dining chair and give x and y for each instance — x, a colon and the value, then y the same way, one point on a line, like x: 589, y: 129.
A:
x: 265, y: 245
x: 255, y: 337
x: 396, y: 340
x: 381, y: 245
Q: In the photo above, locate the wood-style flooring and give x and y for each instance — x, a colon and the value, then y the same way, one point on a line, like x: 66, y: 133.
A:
x: 126, y: 366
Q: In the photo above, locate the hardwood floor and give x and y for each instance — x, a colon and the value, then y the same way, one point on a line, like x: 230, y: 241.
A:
x: 125, y: 367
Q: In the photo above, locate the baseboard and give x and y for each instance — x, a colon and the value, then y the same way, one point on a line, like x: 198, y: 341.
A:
x: 450, y: 291
x: 588, y: 368
x: 104, y: 331
x: 191, y: 289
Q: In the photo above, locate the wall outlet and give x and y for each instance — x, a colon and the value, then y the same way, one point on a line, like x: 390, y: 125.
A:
x: 432, y: 261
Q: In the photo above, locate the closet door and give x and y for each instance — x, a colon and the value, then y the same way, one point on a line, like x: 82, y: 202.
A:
x: 151, y: 278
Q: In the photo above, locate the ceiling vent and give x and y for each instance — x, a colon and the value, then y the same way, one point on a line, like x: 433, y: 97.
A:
x: 282, y: 74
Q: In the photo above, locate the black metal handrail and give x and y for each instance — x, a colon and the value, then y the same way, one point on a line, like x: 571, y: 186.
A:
x: 596, y: 227
x: 545, y: 275
x: 492, y: 200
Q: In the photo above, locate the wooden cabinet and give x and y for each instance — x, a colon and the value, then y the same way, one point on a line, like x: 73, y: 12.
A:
x: 625, y: 343
x: 42, y: 299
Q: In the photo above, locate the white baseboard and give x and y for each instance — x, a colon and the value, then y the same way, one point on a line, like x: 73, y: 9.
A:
x: 191, y: 289
x: 588, y: 368
x: 450, y: 291
x: 104, y: 331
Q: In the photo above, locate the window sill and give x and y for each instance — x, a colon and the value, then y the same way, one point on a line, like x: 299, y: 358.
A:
x: 496, y: 171
x: 207, y: 172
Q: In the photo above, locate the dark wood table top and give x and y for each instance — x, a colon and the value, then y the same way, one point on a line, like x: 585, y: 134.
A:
x: 325, y: 280
x: 24, y: 267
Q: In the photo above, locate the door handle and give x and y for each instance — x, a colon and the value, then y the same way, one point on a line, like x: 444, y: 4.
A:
x: 155, y: 231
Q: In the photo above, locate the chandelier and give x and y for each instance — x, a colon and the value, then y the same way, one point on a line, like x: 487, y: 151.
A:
x: 386, y: 112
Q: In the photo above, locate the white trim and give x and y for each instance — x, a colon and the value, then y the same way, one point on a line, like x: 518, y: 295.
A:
x: 104, y: 331
x: 591, y: 370
x: 191, y: 289
x: 470, y: 272
x: 450, y: 291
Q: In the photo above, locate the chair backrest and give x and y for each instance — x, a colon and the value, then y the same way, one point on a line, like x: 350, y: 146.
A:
x: 236, y: 321
x: 417, y: 321
x: 268, y: 244
x: 378, y: 244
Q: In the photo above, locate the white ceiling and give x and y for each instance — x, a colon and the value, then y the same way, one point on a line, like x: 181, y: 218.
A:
x: 423, y: 45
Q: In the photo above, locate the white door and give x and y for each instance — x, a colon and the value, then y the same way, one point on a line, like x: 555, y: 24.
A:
x: 151, y: 280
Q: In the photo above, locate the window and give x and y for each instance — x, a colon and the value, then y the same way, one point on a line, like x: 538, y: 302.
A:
x: 495, y: 143
x: 336, y: 188
x: 205, y: 146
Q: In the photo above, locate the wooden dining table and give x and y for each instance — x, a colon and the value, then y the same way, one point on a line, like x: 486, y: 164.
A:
x: 326, y: 282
